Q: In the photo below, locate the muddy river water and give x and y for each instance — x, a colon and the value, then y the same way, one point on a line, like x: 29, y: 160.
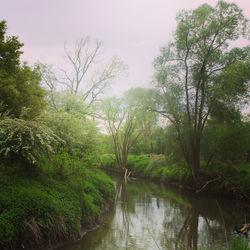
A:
x: 150, y: 216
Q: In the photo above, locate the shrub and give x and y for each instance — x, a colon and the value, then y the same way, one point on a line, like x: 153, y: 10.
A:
x: 155, y: 162
x: 108, y: 161
x: 155, y: 167
x: 25, y: 141
x: 137, y: 163
x: 79, y: 133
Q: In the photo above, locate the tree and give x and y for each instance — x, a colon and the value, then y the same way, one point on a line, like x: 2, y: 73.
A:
x: 49, y: 82
x: 125, y: 120
x: 20, y: 87
x: 225, y: 142
x: 121, y: 125
x: 199, y: 76
x: 83, y: 62
x: 9, y: 52
x: 140, y: 99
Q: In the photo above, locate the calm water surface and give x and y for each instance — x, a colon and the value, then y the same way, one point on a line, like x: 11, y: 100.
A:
x: 152, y: 216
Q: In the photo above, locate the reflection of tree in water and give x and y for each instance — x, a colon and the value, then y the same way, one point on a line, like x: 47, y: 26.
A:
x: 201, y: 225
x: 189, y: 231
x: 122, y: 199
x: 190, y: 222
x: 150, y: 216
x: 134, y: 210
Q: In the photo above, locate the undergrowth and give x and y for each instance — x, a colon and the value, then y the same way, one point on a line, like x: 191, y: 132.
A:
x: 235, y: 177
x: 225, y: 178
x: 50, y: 203
x: 153, y: 167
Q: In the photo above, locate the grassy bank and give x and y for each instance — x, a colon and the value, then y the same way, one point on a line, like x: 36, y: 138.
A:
x: 152, y: 167
x: 225, y: 179
x: 50, y: 203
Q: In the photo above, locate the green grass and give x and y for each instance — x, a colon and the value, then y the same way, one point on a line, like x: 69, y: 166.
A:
x: 152, y: 167
x: 50, y: 203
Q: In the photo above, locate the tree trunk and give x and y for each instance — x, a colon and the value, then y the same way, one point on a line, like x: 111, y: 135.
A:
x: 195, y: 168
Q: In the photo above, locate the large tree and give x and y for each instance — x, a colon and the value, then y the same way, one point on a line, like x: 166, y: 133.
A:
x: 199, y: 76
x: 20, y: 88
x: 126, y: 119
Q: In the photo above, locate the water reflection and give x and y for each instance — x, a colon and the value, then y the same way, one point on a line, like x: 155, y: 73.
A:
x: 151, y: 216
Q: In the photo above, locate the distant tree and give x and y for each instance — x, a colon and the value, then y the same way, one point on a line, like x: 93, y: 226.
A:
x: 49, y: 82
x: 125, y: 120
x: 141, y: 99
x: 20, y: 87
x: 121, y: 124
x: 85, y: 76
x: 199, y: 76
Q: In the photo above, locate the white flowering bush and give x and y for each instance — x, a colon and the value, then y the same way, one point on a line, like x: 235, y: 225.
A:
x: 25, y: 140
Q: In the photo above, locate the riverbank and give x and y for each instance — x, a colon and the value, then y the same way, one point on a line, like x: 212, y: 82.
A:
x: 152, y: 215
x: 228, y: 179
x: 53, y: 202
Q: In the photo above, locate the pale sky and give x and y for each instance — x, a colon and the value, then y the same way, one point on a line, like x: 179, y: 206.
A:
x: 134, y: 30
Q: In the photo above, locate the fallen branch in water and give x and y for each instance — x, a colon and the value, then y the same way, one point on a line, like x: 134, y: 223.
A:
x: 208, y: 182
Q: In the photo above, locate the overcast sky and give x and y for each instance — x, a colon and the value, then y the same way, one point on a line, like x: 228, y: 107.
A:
x: 132, y: 29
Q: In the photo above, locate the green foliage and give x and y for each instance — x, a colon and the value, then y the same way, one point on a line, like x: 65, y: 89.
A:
x: 67, y: 102
x: 239, y: 243
x: 36, y: 212
x: 25, y: 141
x: 159, y: 168
x: 53, y: 204
x: 10, y: 50
x: 137, y: 163
x: 225, y: 142
x: 155, y: 162
x: 235, y: 177
x: 199, y: 77
x: 19, y: 84
x: 65, y: 191
x: 153, y: 167
x: 93, y: 186
x: 173, y: 150
x: 106, y: 144
x: 127, y: 119
x: 152, y: 141
x: 79, y: 133
x: 108, y: 161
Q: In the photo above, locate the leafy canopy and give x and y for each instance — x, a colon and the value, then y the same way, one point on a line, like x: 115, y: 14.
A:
x: 19, y: 84
x: 199, y: 76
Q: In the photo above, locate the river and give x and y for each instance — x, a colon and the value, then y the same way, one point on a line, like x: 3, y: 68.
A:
x: 151, y: 216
